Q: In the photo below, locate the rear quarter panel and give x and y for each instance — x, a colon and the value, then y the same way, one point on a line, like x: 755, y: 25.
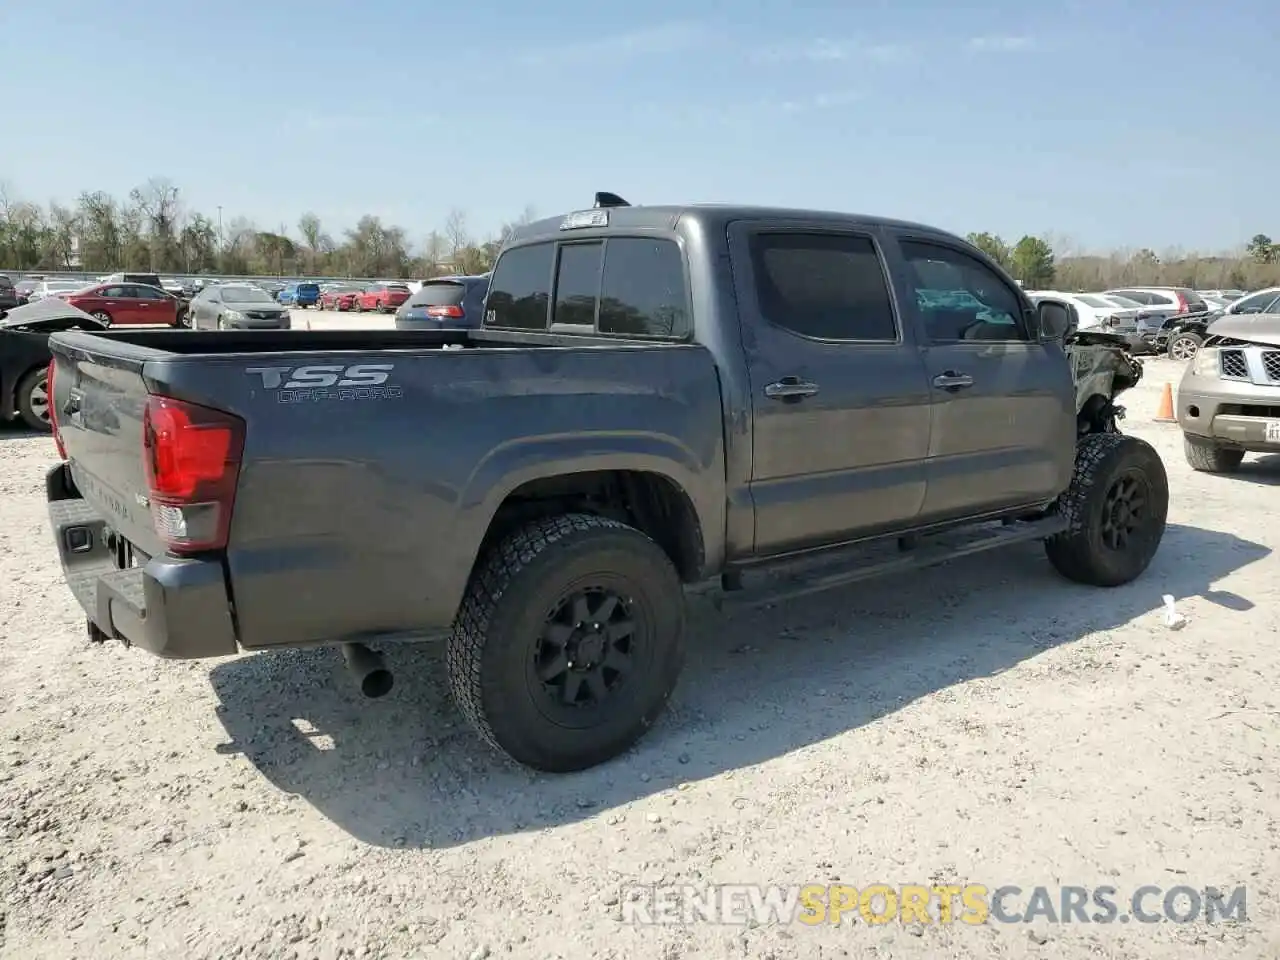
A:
x: 365, y: 515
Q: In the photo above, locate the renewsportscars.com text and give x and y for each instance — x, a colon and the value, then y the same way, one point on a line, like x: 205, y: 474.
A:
x: 972, y: 904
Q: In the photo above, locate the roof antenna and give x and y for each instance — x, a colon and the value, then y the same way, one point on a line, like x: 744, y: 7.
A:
x: 606, y: 199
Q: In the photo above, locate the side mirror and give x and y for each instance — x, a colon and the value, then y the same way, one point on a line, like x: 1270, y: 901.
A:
x: 1056, y: 319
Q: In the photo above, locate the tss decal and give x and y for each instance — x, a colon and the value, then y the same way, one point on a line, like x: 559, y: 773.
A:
x: 325, y: 381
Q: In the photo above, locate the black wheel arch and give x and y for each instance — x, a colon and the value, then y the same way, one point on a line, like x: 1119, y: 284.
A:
x: 651, y: 502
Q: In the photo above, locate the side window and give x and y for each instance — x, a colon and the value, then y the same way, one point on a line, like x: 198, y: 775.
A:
x: 960, y: 298
x: 825, y: 286
x: 116, y: 292
x: 1160, y: 300
x: 578, y: 284
x: 147, y: 293
x: 1258, y: 303
x: 520, y: 288
x: 643, y: 291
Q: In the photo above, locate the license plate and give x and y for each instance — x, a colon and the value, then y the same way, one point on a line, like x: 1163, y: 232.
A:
x: 1273, y: 431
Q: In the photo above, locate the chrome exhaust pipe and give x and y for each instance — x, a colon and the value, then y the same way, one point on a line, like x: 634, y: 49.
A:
x: 369, y: 670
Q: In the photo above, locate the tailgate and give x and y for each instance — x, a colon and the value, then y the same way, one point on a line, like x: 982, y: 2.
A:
x: 99, y: 398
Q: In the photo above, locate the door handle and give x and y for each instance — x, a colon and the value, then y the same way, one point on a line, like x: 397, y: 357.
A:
x: 952, y: 381
x: 790, y: 390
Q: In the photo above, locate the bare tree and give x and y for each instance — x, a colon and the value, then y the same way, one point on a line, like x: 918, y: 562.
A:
x: 455, y: 232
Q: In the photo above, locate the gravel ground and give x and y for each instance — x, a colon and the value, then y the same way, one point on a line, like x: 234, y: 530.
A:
x: 981, y: 722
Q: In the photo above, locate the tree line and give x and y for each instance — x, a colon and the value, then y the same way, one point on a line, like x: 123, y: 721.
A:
x: 153, y: 230
x: 1040, y: 263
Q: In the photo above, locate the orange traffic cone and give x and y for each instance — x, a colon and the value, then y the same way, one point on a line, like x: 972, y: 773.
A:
x: 1165, y: 413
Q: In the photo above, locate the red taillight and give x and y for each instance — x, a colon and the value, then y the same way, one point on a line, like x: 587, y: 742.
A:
x: 53, y: 411
x: 192, y: 456
x: 1183, y: 305
x: 445, y: 312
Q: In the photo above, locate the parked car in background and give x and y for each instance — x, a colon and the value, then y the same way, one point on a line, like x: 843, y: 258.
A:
x: 1165, y: 302
x: 8, y: 293
x: 149, y: 279
x: 1216, y: 303
x: 382, y: 297
x: 1229, y: 398
x: 340, y: 296
x: 300, y: 295
x: 1264, y: 301
x: 1228, y: 295
x: 445, y: 302
x: 25, y: 356
x: 1096, y: 312
x: 51, y: 288
x: 237, y: 306
x: 22, y: 289
x: 127, y: 304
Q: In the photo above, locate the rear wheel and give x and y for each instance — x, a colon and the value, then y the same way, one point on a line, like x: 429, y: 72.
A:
x: 1116, y: 509
x: 102, y: 317
x: 569, y: 642
x: 1206, y: 456
x: 33, y: 400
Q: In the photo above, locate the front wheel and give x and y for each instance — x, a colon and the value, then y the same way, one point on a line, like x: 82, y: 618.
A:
x: 568, y: 642
x: 1116, y: 509
x: 33, y: 400
x: 1205, y: 456
x: 1184, y: 346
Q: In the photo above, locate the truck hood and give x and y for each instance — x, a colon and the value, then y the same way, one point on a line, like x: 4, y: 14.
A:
x: 49, y: 313
x: 1263, y: 328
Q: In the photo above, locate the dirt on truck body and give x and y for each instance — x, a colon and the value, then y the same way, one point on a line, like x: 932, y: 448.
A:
x: 657, y: 397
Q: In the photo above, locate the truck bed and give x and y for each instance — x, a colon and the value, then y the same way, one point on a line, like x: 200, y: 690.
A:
x: 358, y: 510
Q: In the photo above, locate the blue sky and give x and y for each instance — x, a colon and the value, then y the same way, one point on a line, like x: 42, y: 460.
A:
x: 1109, y: 123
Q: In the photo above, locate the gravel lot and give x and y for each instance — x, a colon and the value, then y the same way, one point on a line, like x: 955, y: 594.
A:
x: 983, y: 722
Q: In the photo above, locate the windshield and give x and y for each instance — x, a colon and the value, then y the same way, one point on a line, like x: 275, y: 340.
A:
x: 245, y: 295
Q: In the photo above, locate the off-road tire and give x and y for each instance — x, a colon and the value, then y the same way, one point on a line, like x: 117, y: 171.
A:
x: 496, y: 632
x: 1192, y: 342
x: 1079, y: 553
x: 26, y: 410
x: 1208, y: 457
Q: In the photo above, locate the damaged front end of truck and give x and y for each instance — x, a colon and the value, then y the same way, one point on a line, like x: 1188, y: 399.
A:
x: 1102, y: 368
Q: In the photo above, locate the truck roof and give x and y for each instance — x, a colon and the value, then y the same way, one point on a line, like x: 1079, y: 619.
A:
x: 666, y: 216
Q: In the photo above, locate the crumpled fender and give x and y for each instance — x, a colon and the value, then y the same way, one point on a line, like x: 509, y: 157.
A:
x: 1101, y: 365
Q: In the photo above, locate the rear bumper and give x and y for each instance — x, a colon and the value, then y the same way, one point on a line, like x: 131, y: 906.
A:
x: 174, y: 608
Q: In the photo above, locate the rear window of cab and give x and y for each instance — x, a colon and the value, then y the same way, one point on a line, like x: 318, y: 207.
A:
x: 621, y: 286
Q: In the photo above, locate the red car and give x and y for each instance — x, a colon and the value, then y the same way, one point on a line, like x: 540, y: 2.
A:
x: 340, y: 298
x: 382, y: 297
x: 123, y: 304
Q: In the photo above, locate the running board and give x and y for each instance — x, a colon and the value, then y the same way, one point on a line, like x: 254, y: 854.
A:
x: 866, y: 562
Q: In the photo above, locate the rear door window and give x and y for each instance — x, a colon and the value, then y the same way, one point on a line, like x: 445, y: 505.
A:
x: 642, y: 291
x: 520, y: 289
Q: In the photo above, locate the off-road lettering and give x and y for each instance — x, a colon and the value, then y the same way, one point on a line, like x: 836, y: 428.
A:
x: 321, y: 375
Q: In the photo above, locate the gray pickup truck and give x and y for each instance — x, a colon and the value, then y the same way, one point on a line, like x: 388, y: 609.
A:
x: 658, y: 396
